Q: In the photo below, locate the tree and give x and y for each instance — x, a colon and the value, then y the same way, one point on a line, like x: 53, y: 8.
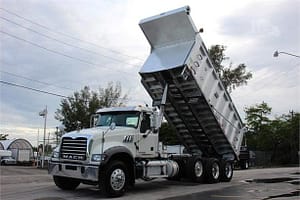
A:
x: 167, y: 134
x: 81, y: 105
x: 232, y: 77
x: 279, y: 136
x: 3, y: 136
x: 256, y: 116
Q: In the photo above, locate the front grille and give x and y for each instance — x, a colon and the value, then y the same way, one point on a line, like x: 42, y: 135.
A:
x: 73, y: 148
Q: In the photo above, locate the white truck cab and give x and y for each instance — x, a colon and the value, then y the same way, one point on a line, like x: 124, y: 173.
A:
x: 128, y: 134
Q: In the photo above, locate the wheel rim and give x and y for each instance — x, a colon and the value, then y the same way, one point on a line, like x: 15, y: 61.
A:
x: 117, y: 179
x: 198, y: 168
x: 228, y: 170
x: 215, y: 170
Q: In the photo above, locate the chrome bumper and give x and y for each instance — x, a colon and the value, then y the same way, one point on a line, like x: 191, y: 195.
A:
x: 78, y: 171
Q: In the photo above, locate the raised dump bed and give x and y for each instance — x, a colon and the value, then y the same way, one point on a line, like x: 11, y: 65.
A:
x: 197, y: 104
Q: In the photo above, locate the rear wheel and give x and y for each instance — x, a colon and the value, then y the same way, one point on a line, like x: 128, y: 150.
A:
x: 65, y: 183
x: 226, y: 171
x: 212, y: 169
x: 195, y: 169
x: 114, y: 179
x: 244, y: 164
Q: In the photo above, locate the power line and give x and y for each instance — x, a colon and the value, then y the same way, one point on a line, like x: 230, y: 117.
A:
x: 69, y: 36
x: 33, y: 89
x: 46, y: 92
x: 37, y: 81
x: 65, y: 43
x: 57, y: 52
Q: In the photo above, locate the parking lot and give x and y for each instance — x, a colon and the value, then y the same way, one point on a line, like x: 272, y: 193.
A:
x: 19, y: 182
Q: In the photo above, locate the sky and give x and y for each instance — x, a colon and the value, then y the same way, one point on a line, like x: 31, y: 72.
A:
x: 61, y: 46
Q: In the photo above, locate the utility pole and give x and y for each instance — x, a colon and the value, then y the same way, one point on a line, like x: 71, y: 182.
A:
x: 56, y: 134
x: 37, y: 148
x: 292, y: 114
x: 44, y: 114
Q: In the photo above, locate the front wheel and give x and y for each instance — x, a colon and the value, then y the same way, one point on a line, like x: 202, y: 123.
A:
x: 65, y: 183
x: 114, y: 179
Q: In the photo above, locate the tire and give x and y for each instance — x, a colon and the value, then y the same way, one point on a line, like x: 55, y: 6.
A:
x: 244, y: 164
x: 65, y: 183
x: 212, y: 171
x: 195, y: 169
x: 114, y: 179
x: 226, y: 171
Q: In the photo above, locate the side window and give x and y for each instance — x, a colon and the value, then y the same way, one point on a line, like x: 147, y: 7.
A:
x: 145, y: 124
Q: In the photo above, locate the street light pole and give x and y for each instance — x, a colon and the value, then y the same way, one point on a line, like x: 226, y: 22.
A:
x: 276, y: 54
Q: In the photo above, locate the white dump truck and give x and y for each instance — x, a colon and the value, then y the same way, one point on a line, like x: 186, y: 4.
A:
x: 123, y: 145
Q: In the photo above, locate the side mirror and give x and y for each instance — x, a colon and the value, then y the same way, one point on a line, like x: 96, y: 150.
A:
x: 154, y: 122
x: 93, y: 120
x: 112, y: 126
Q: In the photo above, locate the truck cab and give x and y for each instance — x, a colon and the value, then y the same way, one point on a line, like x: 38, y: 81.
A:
x: 127, y: 134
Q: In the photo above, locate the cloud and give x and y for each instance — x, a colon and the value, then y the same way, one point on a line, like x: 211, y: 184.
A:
x: 252, y: 30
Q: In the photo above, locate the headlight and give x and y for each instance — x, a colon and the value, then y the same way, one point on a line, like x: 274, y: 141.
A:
x: 55, y: 154
x: 98, y: 157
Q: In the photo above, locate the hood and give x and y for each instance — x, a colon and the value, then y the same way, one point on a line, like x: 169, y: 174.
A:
x: 97, y: 131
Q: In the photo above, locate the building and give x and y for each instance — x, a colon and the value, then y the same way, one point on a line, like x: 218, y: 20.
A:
x: 21, y: 149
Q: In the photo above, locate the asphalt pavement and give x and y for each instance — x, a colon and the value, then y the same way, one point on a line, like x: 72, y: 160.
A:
x: 17, y: 182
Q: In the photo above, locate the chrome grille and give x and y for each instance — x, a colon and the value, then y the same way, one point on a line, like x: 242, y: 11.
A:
x: 73, y: 148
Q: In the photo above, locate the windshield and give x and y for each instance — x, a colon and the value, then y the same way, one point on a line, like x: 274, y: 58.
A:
x: 128, y: 119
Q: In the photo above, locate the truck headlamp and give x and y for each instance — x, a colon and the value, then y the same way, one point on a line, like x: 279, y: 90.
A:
x: 55, y: 154
x: 98, y: 157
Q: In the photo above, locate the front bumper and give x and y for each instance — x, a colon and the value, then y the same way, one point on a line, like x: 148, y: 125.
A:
x: 77, y: 171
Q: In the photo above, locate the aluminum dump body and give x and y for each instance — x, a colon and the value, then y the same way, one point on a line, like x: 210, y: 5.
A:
x: 197, y: 105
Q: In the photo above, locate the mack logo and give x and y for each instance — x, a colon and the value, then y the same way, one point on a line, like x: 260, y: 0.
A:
x: 73, y: 157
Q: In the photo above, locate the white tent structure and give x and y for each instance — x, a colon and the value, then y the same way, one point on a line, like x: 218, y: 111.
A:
x: 21, y: 149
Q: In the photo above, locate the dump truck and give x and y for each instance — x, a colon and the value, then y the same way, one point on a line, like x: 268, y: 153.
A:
x: 123, y: 143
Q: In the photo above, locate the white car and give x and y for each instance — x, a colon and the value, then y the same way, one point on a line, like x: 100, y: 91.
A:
x: 8, y: 160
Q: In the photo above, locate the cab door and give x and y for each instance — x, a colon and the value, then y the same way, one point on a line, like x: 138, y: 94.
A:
x: 148, y: 141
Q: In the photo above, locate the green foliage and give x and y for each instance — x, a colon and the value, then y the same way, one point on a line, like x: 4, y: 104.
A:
x: 167, y: 134
x: 81, y: 105
x: 232, y: 77
x: 279, y: 136
x: 256, y: 116
x: 3, y: 136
